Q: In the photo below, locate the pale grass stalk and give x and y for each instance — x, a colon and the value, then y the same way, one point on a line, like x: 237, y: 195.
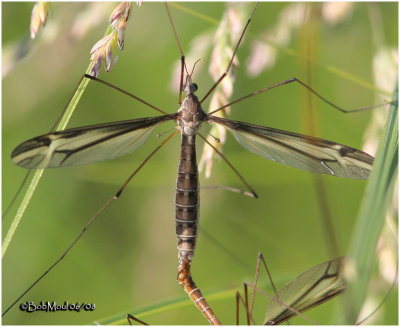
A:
x: 89, y: 18
x: 337, y: 12
x: 264, y: 51
x: 217, y: 132
x: 276, y: 40
x: 225, y: 40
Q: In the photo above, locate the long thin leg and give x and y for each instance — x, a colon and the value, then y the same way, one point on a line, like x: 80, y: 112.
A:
x: 298, y: 313
x: 125, y: 92
x: 238, y: 297
x: 230, y: 165
x: 274, y: 298
x: 260, y: 258
x: 228, y: 188
x: 248, y: 313
x: 245, y: 303
x: 66, y: 105
x: 16, y: 194
x: 233, y: 56
x: 92, y: 219
x: 129, y: 317
x: 252, y: 94
x: 291, y: 80
x: 186, y: 281
x: 181, y: 52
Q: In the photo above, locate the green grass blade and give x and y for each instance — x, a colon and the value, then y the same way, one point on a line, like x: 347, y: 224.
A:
x: 21, y: 209
x: 165, y: 306
x: 38, y: 173
x: 61, y: 125
x: 371, y: 218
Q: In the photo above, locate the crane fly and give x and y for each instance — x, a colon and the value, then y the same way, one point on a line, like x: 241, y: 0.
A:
x: 78, y: 146
x: 311, y: 288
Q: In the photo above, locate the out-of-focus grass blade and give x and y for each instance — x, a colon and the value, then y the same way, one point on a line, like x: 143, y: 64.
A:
x: 370, y: 221
x: 165, y: 306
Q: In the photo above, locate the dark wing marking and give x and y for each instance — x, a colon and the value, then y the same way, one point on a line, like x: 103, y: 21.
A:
x: 85, y: 145
x: 300, y: 151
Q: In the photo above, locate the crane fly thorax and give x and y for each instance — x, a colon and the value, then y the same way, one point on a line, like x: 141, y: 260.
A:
x: 191, y: 115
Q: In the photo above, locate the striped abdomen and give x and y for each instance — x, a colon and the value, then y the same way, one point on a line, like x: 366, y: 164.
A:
x: 187, y: 199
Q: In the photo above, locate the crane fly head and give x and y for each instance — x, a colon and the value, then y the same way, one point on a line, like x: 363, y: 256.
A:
x: 189, y: 86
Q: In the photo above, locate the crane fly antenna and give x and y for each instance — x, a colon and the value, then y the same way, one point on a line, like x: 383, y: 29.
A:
x: 194, y: 66
x: 187, y: 73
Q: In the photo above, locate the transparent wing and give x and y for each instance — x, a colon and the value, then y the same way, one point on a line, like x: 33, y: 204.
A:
x: 300, y: 151
x: 85, y: 145
x: 313, y: 287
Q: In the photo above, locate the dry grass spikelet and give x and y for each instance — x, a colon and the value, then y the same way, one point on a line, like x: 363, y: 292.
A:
x: 225, y: 40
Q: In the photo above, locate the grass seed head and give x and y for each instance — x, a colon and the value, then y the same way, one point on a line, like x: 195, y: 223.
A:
x: 102, y: 51
x: 38, y: 18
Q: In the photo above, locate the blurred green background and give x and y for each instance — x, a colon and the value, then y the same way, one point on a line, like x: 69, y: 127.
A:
x: 128, y: 258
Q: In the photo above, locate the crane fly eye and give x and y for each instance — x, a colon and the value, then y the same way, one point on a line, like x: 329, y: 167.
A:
x: 193, y: 87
